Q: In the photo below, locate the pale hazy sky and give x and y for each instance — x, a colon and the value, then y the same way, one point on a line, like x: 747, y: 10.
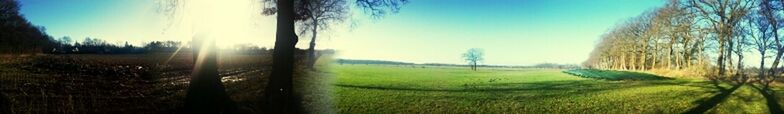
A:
x: 512, y: 32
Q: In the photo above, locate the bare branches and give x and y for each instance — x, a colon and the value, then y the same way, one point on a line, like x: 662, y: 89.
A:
x: 473, y: 56
x: 379, y: 8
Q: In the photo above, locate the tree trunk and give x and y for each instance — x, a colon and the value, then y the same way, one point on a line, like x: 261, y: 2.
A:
x: 739, y: 72
x: 312, y: 49
x: 279, y: 90
x: 728, y: 56
x: 642, y: 60
x: 623, y: 61
x: 653, y: 53
x: 779, y: 51
x: 474, y: 66
x: 205, y: 93
x: 720, y: 60
x: 670, y: 52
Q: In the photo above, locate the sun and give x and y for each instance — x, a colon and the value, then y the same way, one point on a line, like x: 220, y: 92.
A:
x: 226, y: 22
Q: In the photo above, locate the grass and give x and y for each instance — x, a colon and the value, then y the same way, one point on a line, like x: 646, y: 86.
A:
x: 404, y: 89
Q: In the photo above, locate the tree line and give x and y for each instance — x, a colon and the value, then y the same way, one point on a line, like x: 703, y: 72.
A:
x: 710, y: 36
x: 17, y: 35
x: 65, y: 45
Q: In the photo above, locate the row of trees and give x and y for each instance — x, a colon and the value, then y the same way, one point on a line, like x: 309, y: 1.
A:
x: 66, y: 45
x: 17, y: 35
x: 708, y: 35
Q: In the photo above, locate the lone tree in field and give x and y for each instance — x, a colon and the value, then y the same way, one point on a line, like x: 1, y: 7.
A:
x: 474, y: 56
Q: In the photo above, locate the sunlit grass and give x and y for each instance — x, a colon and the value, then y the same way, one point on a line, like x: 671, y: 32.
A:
x: 406, y: 89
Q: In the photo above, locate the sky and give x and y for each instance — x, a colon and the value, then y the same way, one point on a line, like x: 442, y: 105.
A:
x: 511, y: 32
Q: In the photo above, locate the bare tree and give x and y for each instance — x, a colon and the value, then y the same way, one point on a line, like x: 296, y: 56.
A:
x: 279, y: 89
x: 722, y: 17
x: 473, y: 56
x: 322, y: 14
x: 760, y: 32
x: 770, y: 11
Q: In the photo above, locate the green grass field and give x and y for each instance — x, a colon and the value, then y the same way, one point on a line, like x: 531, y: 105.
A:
x: 406, y: 89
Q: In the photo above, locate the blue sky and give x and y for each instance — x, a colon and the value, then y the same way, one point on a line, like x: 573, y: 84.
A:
x: 512, y: 32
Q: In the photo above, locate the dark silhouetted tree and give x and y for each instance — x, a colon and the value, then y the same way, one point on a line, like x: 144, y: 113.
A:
x: 17, y: 35
x: 279, y: 92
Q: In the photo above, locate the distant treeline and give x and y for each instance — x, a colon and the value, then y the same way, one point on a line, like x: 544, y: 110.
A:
x: 350, y: 61
x: 385, y: 62
x: 19, y: 36
x: 64, y: 45
x: 98, y: 46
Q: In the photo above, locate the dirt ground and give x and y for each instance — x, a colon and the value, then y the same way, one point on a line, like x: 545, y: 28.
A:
x: 144, y: 83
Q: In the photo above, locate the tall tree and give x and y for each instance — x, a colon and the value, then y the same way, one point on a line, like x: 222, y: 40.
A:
x: 322, y: 14
x: 278, y: 92
x: 17, y: 35
x: 722, y: 17
x: 770, y: 11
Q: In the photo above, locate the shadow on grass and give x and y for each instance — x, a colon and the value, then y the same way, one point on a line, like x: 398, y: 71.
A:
x: 708, y: 104
x: 772, y: 100
x: 572, y: 86
x: 614, y: 75
x: 5, y: 104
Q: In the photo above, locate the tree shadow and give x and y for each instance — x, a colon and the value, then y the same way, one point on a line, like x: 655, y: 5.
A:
x: 772, y: 100
x: 545, y: 85
x: 5, y: 104
x: 709, y: 103
x: 545, y: 89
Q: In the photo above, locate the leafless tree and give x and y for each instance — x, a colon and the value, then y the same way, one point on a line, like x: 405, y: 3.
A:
x: 279, y: 96
x: 722, y: 17
x: 473, y: 56
x: 323, y: 13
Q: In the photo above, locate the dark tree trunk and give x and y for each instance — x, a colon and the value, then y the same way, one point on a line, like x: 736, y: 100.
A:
x: 779, y: 52
x: 720, y: 61
x: 312, y: 49
x: 278, y: 93
x: 205, y: 93
x: 761, y: 73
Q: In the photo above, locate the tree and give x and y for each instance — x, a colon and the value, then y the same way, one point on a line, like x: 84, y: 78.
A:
x: 769, y: 12
x: 322, y: 13
x: 17, y: 35
x: 473, y: 56
x: 65, y: 40
x: 723, y: 18
x: 278, y: 92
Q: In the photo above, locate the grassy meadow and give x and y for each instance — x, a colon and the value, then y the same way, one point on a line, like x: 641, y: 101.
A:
x: 430, y: 89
